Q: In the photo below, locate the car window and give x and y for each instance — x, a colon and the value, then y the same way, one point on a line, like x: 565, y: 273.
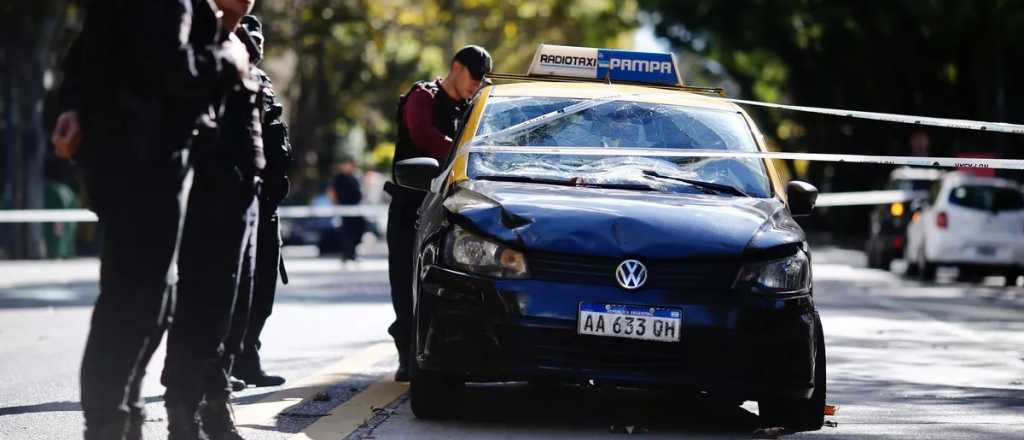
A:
x: 622, y: 124
x: 989, y: 198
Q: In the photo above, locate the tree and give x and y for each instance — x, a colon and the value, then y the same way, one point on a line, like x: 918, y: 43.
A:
x: 31, y: 38
x: 345, y: 62
x: 942, y: 58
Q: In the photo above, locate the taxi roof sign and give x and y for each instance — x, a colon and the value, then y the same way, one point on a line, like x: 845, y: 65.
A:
x: 605, y: 64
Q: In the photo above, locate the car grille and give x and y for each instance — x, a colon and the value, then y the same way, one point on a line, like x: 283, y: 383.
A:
x: 666, y: 274
x: 564, y: 348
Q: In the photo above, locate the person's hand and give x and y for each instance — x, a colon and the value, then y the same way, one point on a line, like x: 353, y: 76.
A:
x: 67, y: 135
x: 237, y: 54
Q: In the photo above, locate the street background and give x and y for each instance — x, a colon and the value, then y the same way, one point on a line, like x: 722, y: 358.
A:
x: 907, y: 358
x: 340, y: 65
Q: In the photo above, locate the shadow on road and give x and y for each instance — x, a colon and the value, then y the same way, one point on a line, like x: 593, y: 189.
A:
x: 61, y: 406
x: 574, y: 410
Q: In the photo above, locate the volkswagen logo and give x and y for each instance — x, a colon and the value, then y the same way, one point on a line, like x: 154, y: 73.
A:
x: 631, y: 274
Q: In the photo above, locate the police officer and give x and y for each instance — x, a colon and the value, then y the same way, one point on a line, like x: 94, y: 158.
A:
x: 217, y: 255
x: 245, y: 333
x: 138, y: 78
x: 428, y: 118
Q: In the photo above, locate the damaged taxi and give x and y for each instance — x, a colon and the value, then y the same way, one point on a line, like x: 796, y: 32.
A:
x: 600, y: 221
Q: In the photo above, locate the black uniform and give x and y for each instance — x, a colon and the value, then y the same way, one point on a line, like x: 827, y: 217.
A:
x: 402, y: 213
x: 245, y: 333
x: 217, y: 258
x: 139, y: 75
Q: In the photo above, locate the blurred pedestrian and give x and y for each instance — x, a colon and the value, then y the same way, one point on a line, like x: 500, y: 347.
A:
x: 346, y: 190
x: 373, y: 194
x: 217, y: 259
x: 245, y: 333
x: 138, y: 78
x: 428, y: 118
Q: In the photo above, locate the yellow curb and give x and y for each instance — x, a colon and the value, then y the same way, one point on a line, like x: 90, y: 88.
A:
x: 352, y: 414
x: 263, y: 411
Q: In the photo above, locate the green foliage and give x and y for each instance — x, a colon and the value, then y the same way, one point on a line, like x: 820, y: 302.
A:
x: 938, y: 57
x: 946, y: 58
x: 353, y: 58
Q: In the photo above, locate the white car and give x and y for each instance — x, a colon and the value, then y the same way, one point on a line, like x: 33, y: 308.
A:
x: 973, y: 223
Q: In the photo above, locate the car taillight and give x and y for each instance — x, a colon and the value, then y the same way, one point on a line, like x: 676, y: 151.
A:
x: 897, y: 242
x: 942, y: 220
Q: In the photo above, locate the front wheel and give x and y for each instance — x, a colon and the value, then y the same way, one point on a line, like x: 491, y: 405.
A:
x: 925, y: 269
x: 801, y: 414
x: 433, y: 395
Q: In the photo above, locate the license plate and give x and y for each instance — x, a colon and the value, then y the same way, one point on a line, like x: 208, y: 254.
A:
x: 986, y: 250
x: 633, y: 322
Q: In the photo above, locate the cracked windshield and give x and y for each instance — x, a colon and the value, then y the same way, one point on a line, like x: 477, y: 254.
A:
x: 620, y: 124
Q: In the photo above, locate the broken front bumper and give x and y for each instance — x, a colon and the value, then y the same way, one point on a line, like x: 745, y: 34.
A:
x: 499, y: 330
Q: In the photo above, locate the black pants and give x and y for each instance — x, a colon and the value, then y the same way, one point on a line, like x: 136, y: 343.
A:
x: 140, y: 207
x: 216, y: 258
x: 402, y: 217
x: 350, y: 234
x: 245, y: 335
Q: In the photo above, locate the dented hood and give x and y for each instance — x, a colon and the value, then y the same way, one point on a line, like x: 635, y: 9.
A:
x: 622, y: 223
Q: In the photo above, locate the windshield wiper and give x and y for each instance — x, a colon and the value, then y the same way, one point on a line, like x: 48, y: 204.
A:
x: 507, y: 178
x: 715, y: 187
x: 575, y: 181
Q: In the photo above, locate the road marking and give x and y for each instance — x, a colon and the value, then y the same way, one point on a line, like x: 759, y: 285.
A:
x: 352, y: 414
x: 263, y: 411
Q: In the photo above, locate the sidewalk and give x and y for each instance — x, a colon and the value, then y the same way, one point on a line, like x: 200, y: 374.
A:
x: 298, y: 260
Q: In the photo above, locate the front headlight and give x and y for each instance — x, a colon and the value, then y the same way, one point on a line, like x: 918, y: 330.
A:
x: 478, y: 255
x: 789, y: 274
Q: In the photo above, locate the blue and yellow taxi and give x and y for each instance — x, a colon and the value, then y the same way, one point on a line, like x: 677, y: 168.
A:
x: 601, y: 221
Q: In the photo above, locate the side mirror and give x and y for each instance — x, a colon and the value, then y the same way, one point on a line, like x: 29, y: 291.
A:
x: 417, y: 172
x: 802, y: 196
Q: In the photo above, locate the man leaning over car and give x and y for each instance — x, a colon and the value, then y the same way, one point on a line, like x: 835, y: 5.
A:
x: 428, y: 119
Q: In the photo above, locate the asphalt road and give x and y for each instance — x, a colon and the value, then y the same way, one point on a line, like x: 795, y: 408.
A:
x: 906, y: 360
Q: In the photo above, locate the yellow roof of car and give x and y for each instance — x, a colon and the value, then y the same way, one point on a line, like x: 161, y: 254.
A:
x: 591, y: 90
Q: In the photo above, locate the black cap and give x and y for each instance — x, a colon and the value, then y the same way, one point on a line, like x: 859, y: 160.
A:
x: 476, y: 59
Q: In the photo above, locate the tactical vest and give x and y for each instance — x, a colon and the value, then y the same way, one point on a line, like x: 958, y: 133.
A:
x: 446, y: 119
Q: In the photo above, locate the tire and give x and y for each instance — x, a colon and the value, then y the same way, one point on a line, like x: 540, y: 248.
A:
x: 1011, y: 278
x: 433, y: 395
x: 911, y: 269
x: 885, y: 263
x: 925, y: 270
x: 967, y: 275
x: 801, y: 414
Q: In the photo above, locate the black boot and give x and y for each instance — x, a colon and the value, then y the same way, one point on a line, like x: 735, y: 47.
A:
x: 182, y: 423
x: 219, y: 419
x: 247, y: 368
x: 237, y: 384
x: 109, y: 431
x: 402, y: 374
